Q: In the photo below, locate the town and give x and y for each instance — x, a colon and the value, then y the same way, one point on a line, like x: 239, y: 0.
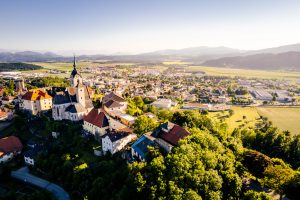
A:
x: 149, y: 100
x: 116, y: 111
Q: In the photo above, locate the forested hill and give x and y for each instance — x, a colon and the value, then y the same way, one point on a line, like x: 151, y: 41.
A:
x: 18, y: 67
x: 264, y: 61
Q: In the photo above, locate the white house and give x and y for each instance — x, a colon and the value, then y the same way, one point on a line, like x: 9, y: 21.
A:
x: 9, y: 147
x: 96, y: 122
x: 115, y: 141
x: 30, y: 155
x: 113, y: 101
x: 162, y: 103
x: 36, y: 101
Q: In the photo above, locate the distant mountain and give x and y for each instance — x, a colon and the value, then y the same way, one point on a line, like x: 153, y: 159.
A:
x: 263, y: 61
x: 272, y: 58
x: 276, y: 50
x: 29, y: 56
x: 196, y: 51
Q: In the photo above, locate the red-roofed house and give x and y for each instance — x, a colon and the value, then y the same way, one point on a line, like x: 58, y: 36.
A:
x: 36, y: 101
x: 96, y: 122
x: 9, y: 147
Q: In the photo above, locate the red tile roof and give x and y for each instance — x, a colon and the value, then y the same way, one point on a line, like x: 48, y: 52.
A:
x: 36, y: 95
x: 10, y: 144
x: 97, y: 118
x: 3, y: 114
x: 174, y: 135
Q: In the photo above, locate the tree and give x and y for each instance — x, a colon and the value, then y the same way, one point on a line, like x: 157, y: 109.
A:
x: 252, y: 195
x: 277, y: 177
x: 144, y: 124
x: 200, y: 167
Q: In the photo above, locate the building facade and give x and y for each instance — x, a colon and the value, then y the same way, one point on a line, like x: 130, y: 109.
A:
x: 74, y: 102
x: 36, y: 101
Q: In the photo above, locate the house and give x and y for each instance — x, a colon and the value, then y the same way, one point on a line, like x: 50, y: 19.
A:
x: 30, y: 155
x: 140, y: 148
x: 96, y: 122
x: 124, y: 118
x: 166, y: 136
x: 7, y: 100
x: 9, y: 147
x: 5, y: 116
x: 115, y: 141
x: 74, y: 102
x: 113, y: 101
x: 162, y: 103
x: 208, y: 107
x: 151, y: 115
x: 36, y: 101
x: 55, y: 134
x: 170, y: 132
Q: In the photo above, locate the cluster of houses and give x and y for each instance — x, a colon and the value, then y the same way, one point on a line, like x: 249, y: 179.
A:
x: 109, y: 124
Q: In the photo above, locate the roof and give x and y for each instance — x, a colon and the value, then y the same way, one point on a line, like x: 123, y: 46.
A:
x: 112, y: 104
x: 63, y: 97
x: 116, y: 135
x: 127, y: 117
x: 36, y: 95
x: 3, y: 114
x: 113, y: 96
x: 75, y: 108
x: 88, y: 101
x: 141, y: 145
x: 74, y: 72
x: 10, y: 144
x: 170, y: 132
x: 97, y: 118
x: 33, y: 152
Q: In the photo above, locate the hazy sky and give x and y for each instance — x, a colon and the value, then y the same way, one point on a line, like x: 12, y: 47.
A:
x: 132, y: 26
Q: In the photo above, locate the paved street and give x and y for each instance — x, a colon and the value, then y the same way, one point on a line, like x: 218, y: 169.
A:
x: 24, y: 175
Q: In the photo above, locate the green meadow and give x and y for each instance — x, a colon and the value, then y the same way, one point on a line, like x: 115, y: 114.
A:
x: 285, y: 118
x: 215, y: 71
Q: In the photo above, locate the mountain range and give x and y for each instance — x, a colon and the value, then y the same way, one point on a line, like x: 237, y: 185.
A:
x: 278, y: 58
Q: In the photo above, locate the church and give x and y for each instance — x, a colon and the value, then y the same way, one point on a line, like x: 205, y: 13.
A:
x: 74, y: 102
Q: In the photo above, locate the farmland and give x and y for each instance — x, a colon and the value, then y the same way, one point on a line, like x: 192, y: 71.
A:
x: 214, y: 71
x: 285, y: 118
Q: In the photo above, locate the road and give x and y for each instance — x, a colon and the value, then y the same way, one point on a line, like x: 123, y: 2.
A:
x: 24, y: 175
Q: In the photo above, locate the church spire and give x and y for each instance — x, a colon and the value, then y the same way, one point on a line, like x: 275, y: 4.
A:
x: 74, y: 64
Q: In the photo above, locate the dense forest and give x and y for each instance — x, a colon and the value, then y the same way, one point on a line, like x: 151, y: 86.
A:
x: 18, y: 67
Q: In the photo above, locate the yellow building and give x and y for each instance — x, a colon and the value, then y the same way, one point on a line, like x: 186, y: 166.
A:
x: 36, y: 101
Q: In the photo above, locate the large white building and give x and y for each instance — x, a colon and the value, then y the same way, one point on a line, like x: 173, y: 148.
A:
x: 97, y: 123
x: 74, y: 102
x: 36, y: 101
x: 115, y: 141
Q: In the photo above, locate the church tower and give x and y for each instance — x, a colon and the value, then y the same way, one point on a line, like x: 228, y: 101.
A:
x: 75, y: 77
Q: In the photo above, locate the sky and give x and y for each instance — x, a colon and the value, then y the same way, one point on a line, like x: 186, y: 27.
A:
x: 135, y: 26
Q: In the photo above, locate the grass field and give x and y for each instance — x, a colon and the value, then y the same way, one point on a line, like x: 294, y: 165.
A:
x: 237, y: 120
x: 214, y: 71
x: 281, y: 117
x: 176, y: 63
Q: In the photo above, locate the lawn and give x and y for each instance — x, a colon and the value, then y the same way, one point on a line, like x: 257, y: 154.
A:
x: 215, y: 71
x: 282, y: 117
x: 243, y: 117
